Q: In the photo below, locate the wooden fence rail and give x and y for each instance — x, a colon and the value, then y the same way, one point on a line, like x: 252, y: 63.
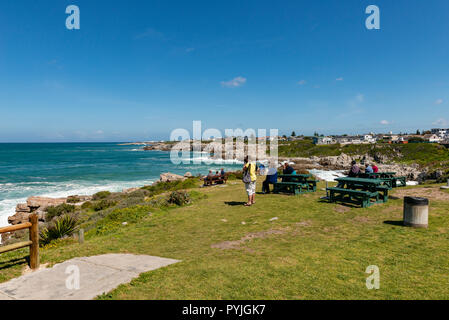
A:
x: 33, y: 243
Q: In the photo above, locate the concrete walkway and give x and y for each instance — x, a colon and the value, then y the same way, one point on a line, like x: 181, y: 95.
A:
x: 97, y: 275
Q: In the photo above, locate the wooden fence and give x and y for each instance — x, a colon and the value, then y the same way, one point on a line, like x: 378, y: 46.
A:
x: 33, y: 243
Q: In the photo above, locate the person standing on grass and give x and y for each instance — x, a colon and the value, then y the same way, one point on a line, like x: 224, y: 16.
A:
x: 250, y: 178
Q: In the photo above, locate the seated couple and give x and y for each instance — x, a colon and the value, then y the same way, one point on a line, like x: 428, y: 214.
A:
x: 355, y: 170
x: 217, y: 176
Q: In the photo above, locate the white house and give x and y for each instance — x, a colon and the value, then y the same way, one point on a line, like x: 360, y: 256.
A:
x: 433, y: 138
x: 323, y: 140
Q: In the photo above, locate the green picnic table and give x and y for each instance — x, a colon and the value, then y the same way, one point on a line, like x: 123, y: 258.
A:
x: 395, y: 181
x: 295, y: 183
x: 360, y: 191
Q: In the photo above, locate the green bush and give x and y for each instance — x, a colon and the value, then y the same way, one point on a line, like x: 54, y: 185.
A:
x: 103, y: 204
x: 179, y: 198
x: 101, y: 195
x: 73, y: 200
x: 86, y: 205
x: 63, y: 226
x: 170, y: 186
x: 236, y: 175
x: 59, y: 210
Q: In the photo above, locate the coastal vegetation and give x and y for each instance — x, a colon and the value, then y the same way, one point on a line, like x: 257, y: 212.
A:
x: 284, y: 247
x: 425, y: 154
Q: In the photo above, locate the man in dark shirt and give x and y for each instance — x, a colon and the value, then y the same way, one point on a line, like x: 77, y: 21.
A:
x: 287, y: 170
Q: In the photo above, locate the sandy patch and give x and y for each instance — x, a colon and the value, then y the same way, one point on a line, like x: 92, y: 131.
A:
x: 342, y: 209
x: 430, y: 193
x: 226, y: 245
x: 303, y: 223
x: 361, y: 219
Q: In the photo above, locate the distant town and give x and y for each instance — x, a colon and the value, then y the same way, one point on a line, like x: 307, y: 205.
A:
x: 435, y: 135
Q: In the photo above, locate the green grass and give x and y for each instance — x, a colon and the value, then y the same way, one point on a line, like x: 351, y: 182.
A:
x: 320, y: 250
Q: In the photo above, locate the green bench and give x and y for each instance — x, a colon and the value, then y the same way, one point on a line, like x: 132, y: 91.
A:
x: 395, y: 182
x: 295, y: 184
x: 288, y: 187
x: 359, y: 197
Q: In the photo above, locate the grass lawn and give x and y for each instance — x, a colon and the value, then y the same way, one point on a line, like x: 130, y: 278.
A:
x: 314, y: 250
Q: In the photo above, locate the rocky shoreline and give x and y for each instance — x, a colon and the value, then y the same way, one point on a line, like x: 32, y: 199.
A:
x: 413, y: 172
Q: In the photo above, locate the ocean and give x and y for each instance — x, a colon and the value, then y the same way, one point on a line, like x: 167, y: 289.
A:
x: 63, y: 169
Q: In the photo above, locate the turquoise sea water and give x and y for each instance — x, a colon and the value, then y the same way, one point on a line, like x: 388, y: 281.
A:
x: 58, y: 170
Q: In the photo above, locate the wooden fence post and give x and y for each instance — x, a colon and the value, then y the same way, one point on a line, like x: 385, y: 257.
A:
x: 34, y: 237
x: 81, y: 236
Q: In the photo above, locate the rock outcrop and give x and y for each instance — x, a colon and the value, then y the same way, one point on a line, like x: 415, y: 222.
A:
x: 39, y: 205
x: 169, y: 177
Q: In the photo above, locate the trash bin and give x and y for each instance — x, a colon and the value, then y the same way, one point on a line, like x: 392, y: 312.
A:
x: 416, y: 212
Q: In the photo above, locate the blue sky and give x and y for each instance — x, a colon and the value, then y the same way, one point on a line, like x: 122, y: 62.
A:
x: 138, y: 69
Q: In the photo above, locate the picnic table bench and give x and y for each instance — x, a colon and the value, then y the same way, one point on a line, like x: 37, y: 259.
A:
x: 295, y: 183
x: 361, y: 191
x: 210, y: 181
x: 395, y: 181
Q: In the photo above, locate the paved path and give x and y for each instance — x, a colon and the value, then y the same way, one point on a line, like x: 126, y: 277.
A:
x: 97, y: 275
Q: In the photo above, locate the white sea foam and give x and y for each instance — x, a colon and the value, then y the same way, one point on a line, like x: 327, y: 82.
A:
x: 327, y: 175
x: 57, y: 190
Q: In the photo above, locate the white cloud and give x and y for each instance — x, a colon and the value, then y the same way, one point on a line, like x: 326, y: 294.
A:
x: 190, y: 49
x: 150, y: 33
x: 360, y: 97
x: 99, y: 132
x: 439, y: 101
x: 441, y: 122
x: 234, y: 83
x: 339, y: 79
x: 302, y: 82
x: 385, y: 122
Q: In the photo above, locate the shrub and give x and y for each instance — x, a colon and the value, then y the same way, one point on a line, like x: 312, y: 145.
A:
x: 63, y: 226
x: 73, y: 199
x: 170, y: 186
x: 179, y: 198
x: 101, y: 195
x: 103, y: 204
x: 235, y: 175
x: 59, y: 210
x: 86, y: 205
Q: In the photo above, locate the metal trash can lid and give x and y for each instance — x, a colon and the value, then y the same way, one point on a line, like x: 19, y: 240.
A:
x: 416, y: 201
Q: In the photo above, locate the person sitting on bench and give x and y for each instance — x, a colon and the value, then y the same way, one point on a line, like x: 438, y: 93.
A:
x: 375, y: 168
x: 354, y: 171
x: 287, y: 170
x: 209, y: 178
x: 369, y: 168
x: 272, y: 177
